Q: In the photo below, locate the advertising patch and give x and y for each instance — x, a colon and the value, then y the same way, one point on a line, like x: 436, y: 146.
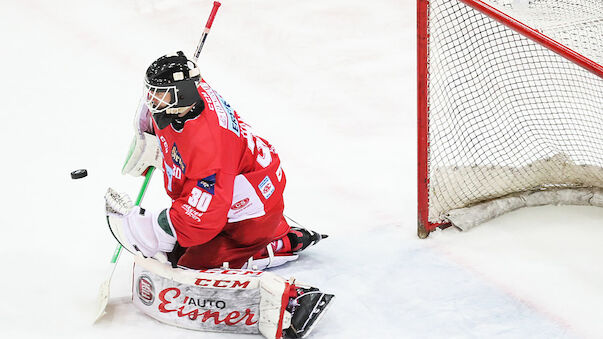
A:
x: 196, y: 307
x: 172, y: 172
x: 239, y: 205
x: 233, y: 123
x: 279, y: 173
x: 208, y: 184
x: 266, y: 187
x: 177, y: 158
x: 145, y: 290
x: 226, y: 115
x: 192, y: 213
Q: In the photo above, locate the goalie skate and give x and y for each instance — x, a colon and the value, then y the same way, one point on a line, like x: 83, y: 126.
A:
x: 302, y: 238
x: 307, y: 310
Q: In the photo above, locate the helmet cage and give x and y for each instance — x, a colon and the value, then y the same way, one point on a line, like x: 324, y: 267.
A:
x: 155, y: 97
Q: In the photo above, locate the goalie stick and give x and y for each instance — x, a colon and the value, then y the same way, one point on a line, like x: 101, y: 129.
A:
x: 105, y: 287
x: 103, y: 294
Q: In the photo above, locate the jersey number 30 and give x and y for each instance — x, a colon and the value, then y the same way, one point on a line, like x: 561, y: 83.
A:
x: 199, y: 199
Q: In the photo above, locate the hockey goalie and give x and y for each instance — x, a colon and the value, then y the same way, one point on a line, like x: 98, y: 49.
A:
x: 200, y: 263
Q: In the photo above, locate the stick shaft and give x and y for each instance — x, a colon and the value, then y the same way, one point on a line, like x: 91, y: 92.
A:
x: 141, y: 193
x: 145, y: 184
x: 210, y: 21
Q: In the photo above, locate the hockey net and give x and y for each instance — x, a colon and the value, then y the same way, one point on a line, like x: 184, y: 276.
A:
x: 510, y: 107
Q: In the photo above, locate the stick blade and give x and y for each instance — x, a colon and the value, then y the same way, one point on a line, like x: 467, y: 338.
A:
x: 102, y: 299
x: 103, y: 292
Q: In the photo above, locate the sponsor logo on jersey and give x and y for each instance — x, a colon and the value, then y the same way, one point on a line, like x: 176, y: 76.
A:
x: 240, y: 204
x: 164, y: 143
x: 145, y: 290
x: 208, y: 101
x: 177, y: 158
x: 226, y: 116
x: 279, y: 173
x: 266, y: 187
x: 172, y: 172
x: 208, y: 184
x: 233, y: 123
x: 191, y: 212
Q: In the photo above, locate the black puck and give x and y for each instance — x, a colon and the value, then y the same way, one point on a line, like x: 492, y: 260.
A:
x: 78, y: 174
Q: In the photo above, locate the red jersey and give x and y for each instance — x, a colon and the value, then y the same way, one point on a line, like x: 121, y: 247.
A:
x: 217, y: 172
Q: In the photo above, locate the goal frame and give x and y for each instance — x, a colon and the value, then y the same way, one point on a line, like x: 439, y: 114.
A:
x: 424, y: 226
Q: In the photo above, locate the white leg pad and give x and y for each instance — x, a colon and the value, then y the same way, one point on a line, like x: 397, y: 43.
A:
x: 217, y: 300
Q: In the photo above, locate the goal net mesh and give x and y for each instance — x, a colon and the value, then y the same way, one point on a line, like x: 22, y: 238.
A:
x: 506, y: 114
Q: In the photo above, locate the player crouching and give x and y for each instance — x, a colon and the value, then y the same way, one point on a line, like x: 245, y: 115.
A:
x: 226, y: 186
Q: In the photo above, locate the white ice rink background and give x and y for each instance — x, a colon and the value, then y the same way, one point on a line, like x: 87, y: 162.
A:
x: 332, y: 85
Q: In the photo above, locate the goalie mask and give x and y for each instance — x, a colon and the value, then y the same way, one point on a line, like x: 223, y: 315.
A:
x: 171, y: 87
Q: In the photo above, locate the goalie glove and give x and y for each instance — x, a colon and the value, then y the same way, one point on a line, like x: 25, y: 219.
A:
x: 144, y: 150
x: 138, y: 230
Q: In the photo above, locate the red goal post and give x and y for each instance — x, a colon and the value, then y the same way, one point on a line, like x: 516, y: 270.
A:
x: 510, y: 100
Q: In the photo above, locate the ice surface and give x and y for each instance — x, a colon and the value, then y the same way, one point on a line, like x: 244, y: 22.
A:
x: 331, y: 84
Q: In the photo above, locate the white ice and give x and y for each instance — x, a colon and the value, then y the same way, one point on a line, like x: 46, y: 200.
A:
x: 332, y: 85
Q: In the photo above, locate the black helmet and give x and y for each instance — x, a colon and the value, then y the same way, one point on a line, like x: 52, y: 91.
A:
x: 171, y: 85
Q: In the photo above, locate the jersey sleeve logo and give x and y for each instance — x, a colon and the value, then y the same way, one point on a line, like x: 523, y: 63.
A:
x: 172, y: 172
x: 192, y: 212
x: 266, y: 187
x: 177, y: 158
x: 208, y: 184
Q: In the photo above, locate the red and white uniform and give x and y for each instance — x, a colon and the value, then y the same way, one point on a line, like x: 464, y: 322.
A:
x: 226, y: 186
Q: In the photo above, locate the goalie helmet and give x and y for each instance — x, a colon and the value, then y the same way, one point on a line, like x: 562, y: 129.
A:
x: 171, y: 87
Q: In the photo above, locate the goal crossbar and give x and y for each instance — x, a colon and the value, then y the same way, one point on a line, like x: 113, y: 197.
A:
x: 535, y: 35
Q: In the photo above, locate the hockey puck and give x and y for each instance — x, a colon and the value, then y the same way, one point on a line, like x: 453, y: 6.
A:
x: 78, y: 174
